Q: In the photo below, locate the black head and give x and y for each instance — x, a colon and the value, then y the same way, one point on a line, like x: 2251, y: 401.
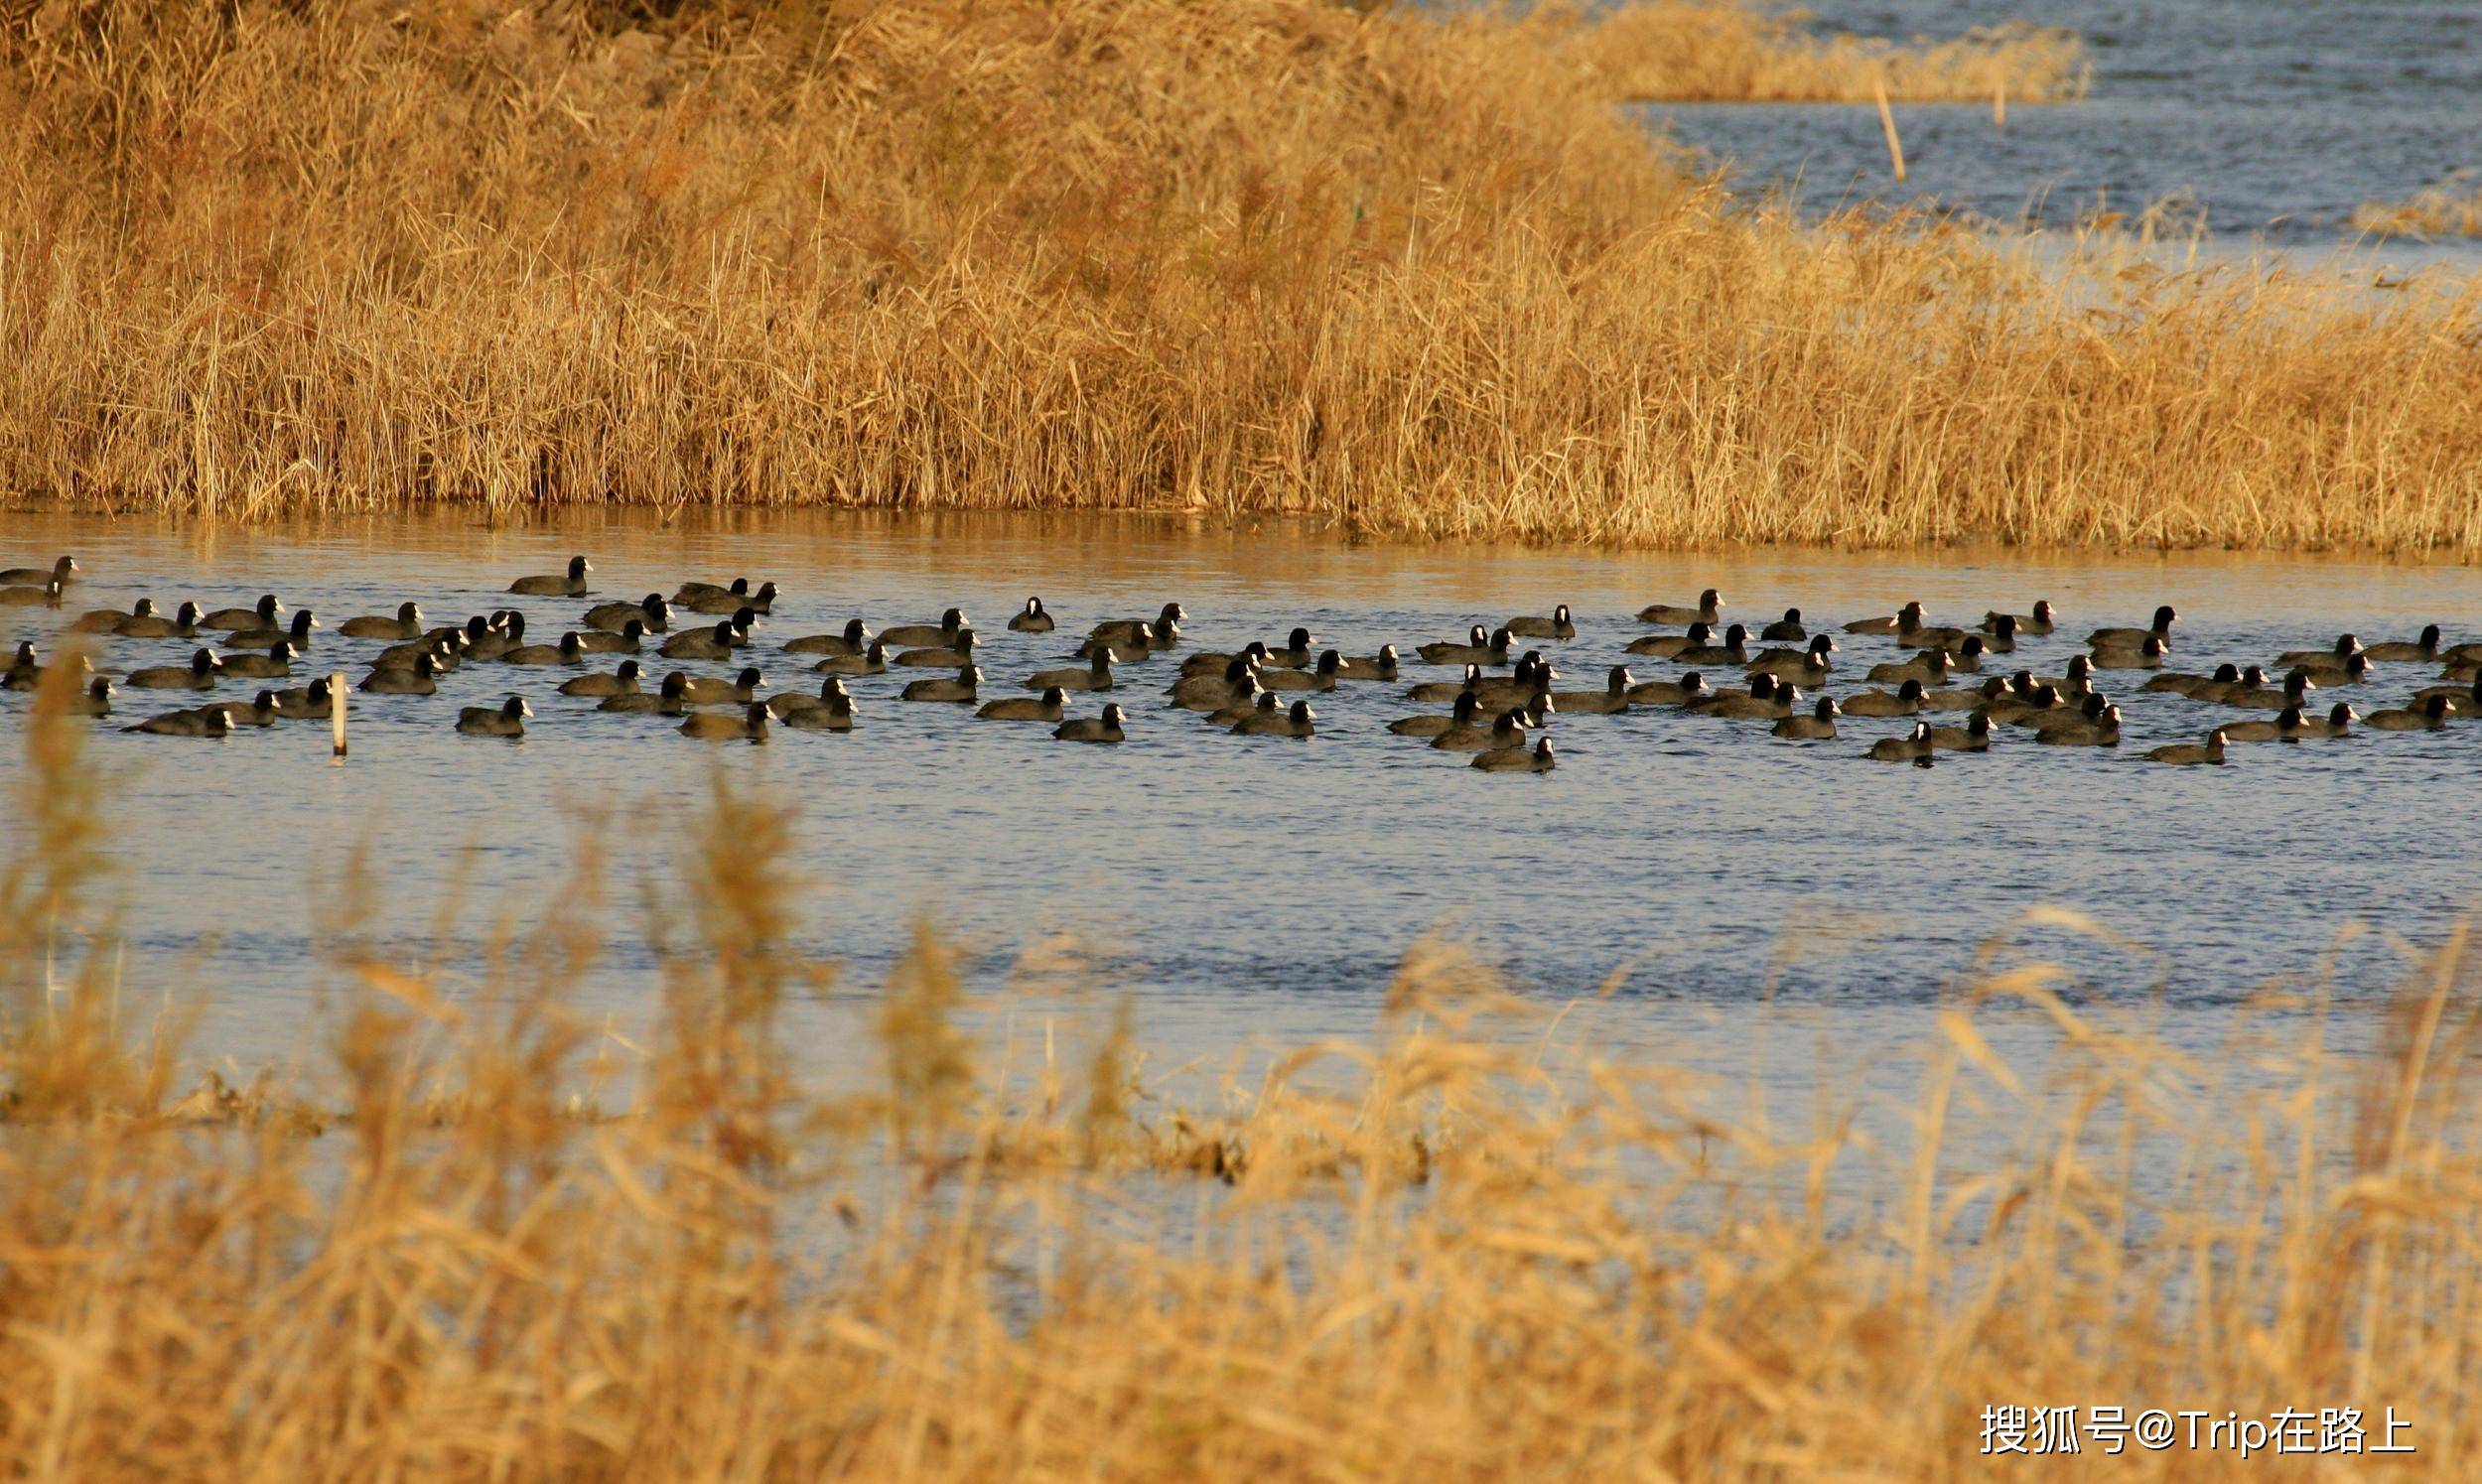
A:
x: 964, y: 639
x: 2043, y: 611
x: 1174, y: 612
x: 1329, y: 662
x: 1462, y: 711
x: 1972, y: 647
x: 878, y: 652
x: 1102, y: 661
x: 2290, y: 717
x: 758, y: 714
x: 268, y: 608
x: 303, y: 622
x: 723, y: 631
x: 2227, y: 674
x: 1911, y: 616
x: 25, y: 651
x: 742, y: 617
x: 1825, y: 709
x: 282, y: 651
x: 2046, y: 696
x: 186, y: 614
x: 2022, y: 682
x: 657, y: 606
x: 952, y: 619
x: 1711, y: 599
x: 1478, y: 635
x: 571, y: 646
x: 749, y: 679
x: 1994, y: 688
x: 1619, y: 680
x: 477, y: 627
x: 2095, y: 705
x: 1301, y: 711
x: 1912, y: 690
x: 319, y: 690
x: 204, y: 662
x: 1762, y: 687
x: 2435, y: 708
x: 101, y: 689
x: 1821, y: 647
x: 1980, y: 724
x: 675, y: 686
x: 513, y: 625
x: 2342, y: 712
x: 2358, y: 666
x: 1296, y: 641
x: 1792, y: 616
x: 1236, y: 671
x: 578, y: 567
x: 144, y: 608
x: 1560, y: 615
x: 2431, y: 637
x: 1053, y: 696
x: 1501, y: 638
x: 855, y: 631
x: 2153, y: 648
x: 1034, y: 609
x: 2164, y: 615
x: 1255, y: 652
x: 1736, y: 636
x: 2254, y: 675
x: 2006, y: 626
x: 1113, y: 715
x: 1473, y: 676
x: 1267, y: 701
x: 409, y: 613
x: 766, y: 592
x: 2080, y: 667
x: 424, y: 666
x: 514, y: 707
x: 1699, y: 633
x: 1693, y: 683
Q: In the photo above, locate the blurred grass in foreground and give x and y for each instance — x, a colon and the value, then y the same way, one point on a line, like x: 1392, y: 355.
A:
x: 1419, y: 1255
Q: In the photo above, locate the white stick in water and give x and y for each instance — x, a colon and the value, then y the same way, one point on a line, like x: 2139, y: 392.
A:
x: 336, y: 711
x: 1887, y: 121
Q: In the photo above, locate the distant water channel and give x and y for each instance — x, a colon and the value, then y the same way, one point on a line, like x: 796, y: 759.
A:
x: 2272, y: 121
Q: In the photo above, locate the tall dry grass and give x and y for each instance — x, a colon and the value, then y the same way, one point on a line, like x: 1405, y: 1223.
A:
x: 1414, y: 1257
x: 1410, y: 273
x: 2450, y: 211
x: 1681, y: 50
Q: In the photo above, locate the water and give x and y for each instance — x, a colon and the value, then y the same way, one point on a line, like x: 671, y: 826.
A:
x: 2275, y: 120
x: 1255, y: 891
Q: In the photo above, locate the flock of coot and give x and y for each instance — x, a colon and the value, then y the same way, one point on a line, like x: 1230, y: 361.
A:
x: 1504, y: 693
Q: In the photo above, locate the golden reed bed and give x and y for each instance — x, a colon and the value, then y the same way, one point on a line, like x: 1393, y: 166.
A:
x: 1471, y: 1247
x: 1408, y: 272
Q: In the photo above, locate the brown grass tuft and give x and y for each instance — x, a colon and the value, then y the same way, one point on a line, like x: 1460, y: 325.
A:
x: 2440, y: 211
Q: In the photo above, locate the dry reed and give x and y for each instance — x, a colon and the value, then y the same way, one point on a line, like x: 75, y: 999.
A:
x: 1673, y: 52
x: 2440, y: 211
x: 1405, y: 272
x: 1437, y: 1261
